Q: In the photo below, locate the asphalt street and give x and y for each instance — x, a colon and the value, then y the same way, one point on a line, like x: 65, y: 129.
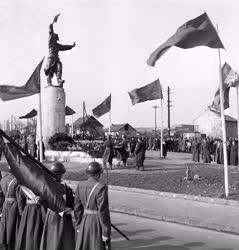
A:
x: 146, y: 234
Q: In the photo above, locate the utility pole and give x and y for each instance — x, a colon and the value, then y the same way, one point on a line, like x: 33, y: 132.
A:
x: 169, y: 106
x: 83, y: 124
x: 155, y: 119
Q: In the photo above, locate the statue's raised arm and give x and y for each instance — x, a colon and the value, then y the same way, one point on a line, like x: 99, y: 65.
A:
x: 54, y: 65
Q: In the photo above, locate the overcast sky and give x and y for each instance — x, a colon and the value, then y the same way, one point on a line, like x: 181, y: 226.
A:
x: 114, y: 39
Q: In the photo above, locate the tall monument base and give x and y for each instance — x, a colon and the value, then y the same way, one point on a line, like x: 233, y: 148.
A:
x: 53, y: 112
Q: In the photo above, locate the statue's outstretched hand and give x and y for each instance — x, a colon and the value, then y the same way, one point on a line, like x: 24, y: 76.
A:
x: 56, y: 18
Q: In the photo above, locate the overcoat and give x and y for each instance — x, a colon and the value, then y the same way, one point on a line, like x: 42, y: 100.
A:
x: 92, y: 220
x: 9, y: 223
x: 31, y: 224
x: 58, y: 232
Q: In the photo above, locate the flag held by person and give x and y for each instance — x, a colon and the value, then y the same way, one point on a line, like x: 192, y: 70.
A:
x: 103, y: 108
x: 151, y: 91
x: 32, y: 174
x: 32, y: 87
x: 196, y: 32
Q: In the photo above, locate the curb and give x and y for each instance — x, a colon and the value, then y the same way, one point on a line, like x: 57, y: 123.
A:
x: 204, y: 212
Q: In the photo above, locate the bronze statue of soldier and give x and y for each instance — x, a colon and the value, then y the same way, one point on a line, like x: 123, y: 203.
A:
x: 54, y: 65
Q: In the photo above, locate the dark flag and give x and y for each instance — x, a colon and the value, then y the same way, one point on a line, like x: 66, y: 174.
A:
x: 196, y: 32
x: 229, y: 76
x: 103, y: 108
x: 150, y: 91
x: 32, y: 87
x: 216, y: 101
x: 29, y: 115
x: 32, y: 174
x: 69, y: 111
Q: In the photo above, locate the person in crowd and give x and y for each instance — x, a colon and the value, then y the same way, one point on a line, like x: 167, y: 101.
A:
x: 196, y: 150
x: 139, y: 154
x: 58, y: 232
x: 24, y: 143
x: 205, y: 151
x: 164, y: 148
x: 32, y: 220
x: 234, y: 153
x: 9, y: 224
x: 91, y: 211
x: 109, y: 152
x: 122, y: 153
x: 132, y: 145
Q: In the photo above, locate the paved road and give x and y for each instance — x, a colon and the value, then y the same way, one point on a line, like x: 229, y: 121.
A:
x: 148, y: 234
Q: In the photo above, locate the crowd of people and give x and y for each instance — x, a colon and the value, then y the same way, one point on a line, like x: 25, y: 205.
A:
x: 26, y: 224
x: 210, y: 149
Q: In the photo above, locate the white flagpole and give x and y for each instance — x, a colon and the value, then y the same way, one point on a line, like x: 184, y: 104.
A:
x: 72, y: 127
x: 237, y: 118
x: 40, y: 129
x: 223, y: 127
x: 161, y: 141
x: 109, y: 121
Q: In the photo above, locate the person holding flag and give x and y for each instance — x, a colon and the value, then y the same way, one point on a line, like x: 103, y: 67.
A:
x: 58, y: 232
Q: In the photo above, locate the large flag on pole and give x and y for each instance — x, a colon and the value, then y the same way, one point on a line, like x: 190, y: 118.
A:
x: 103, y: 108
x: 33, y: 174
x: 151, y: 91
x: 29, y: 115
x: 32, y: 87
x: 229, y: 76
x: 196, y: 32
x: 216, y: 101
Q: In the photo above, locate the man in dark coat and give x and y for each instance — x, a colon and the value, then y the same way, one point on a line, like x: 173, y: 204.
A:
x: 234, y: 153
x: 32, y: 220
x: 91, y: 211
x: 122, y: 153
x: 108, y: 153
x: 58, y: 232
x: 205, y: 151
x: 140, y: 154
x: 10, y: 220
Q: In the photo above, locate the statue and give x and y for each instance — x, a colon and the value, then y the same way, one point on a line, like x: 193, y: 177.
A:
x: 54, y: 65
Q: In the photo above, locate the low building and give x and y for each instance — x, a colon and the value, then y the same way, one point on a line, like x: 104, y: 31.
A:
x: 124, y: 128
x: 209, y: 123
x: 89, y: 125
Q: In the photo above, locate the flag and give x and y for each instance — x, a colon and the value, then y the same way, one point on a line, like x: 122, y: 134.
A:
x: 103, y: 108
x: 196, y: 32
x: 30, y: 173
x: 150, y: 91
x: 216, y: 101
x: 229, y: 76
x: 32, y: 87
x: 29, y: 115
x: 69, y: 111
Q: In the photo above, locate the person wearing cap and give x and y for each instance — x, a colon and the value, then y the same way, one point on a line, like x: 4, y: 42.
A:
x: 140, y: 154
x: 59, y: 232
x: 10, y: 219
x: 91, y: 211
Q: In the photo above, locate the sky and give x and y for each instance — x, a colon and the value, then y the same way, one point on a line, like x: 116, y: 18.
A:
x: 114, y: 38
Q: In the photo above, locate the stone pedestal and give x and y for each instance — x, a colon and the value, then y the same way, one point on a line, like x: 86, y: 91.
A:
x: 53, y: 112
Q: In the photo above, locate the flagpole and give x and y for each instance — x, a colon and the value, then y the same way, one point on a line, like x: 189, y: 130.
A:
x: 223, y: 128
x: 72, y: 126
x: 40, y: 129
x: 161, y: 141
x: 237, y: 120
x: 109, y: 122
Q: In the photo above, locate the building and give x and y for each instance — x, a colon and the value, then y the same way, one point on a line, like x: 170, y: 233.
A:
x: 124, y: 128
x: 209, y: 123
x: 89, y: 125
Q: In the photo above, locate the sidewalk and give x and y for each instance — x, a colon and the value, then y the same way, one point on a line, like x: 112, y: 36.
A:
x: 215, y: 214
